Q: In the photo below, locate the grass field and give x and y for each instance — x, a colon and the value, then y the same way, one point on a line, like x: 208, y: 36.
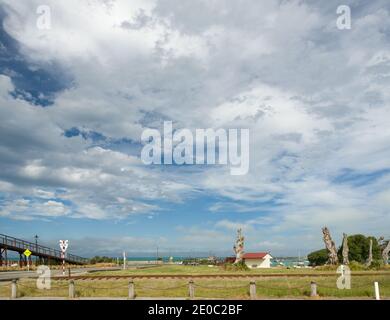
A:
x: 204, y: 269
x: 280, y: 286
x: 298, y: 287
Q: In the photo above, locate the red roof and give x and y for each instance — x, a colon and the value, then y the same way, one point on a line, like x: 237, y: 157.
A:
x: 255, y: 255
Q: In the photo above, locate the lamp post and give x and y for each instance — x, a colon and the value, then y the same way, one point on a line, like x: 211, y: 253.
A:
x: 36, y: 249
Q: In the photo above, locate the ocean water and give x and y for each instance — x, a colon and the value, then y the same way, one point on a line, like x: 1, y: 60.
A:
x: 288, y: 262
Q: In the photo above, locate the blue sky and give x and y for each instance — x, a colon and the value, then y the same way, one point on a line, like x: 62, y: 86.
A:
x: 75, y: 99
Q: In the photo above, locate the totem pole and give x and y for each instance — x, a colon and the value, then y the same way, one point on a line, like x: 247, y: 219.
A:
x: 330, y: 246
x: 385, y: 247
x: 239, y: 247
x: 345, y: 249
x: 369, y: 259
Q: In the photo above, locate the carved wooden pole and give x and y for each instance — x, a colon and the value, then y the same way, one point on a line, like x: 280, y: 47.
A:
x: 330, y: 246
x: 345, y: 249
x: 239, y: 247
x: 385, y: 253
x: 369, y: 260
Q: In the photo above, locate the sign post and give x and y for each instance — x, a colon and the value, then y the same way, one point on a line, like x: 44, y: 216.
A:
x: 124, y: 260
x: 63, y: 247
x: 27, y: 253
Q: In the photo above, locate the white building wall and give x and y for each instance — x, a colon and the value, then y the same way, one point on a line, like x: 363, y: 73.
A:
x: 260, y: 263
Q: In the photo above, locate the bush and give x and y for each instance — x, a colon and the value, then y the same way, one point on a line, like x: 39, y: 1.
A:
x: 356, y: 266
x: 376, y: 264
x: 241, y: 266
x: 98, y: 259
x: 327, y: 267
x: 318, y: 258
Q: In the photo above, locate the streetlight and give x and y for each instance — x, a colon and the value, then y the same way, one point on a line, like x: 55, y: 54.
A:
x: 36, y: 248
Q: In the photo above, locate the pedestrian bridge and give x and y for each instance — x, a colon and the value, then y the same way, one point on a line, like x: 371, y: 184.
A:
x: 45, y: 255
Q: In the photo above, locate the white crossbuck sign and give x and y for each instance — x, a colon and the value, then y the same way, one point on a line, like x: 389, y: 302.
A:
x: 63, y: 245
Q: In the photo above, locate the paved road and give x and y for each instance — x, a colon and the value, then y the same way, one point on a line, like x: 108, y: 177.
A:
x: 9, y: 275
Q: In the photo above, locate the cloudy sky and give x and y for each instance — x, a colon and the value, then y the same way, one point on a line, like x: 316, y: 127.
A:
x: 75, y: 98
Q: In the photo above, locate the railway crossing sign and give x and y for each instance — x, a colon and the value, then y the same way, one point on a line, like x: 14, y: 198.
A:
x: 27, y: 253
x: 63, y: 246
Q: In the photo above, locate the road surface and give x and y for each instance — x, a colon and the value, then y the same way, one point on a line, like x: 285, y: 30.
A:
x: 9, y: 275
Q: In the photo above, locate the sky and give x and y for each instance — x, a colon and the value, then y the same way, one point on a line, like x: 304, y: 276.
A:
x: 75, y: 99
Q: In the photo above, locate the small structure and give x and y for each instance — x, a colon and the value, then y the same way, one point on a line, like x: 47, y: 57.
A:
x: 257, y: 259
x: 212, y: 259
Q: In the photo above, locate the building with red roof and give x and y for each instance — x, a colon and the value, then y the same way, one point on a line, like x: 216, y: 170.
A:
x: 257, y: 259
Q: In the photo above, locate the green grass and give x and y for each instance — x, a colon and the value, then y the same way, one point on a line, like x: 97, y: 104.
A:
x: 204, y: 269
x: 267, y: 287
x: 280, y: 286
x: 188, y: 270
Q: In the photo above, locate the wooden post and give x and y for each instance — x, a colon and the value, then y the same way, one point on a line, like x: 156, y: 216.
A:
x: 252, y: 290
x: 313, y: 289
x: 131, y: 290
x: 191, y: 289
x: 376, y: 288
x: 14, y: 289
x: 71, y: 289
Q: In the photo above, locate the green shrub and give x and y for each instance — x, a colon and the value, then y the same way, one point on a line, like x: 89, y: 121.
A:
x: 327, y: 267
x: 241, y: 266
x: 318, y: 258
x: 98, y: 259
x: 356, y: 266
x: 376, y: 264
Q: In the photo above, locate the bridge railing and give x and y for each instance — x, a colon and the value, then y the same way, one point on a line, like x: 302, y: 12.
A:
x: 38, y: 249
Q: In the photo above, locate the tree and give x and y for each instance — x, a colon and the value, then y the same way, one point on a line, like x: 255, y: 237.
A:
x: 318, y: 258
x: 359, y: 248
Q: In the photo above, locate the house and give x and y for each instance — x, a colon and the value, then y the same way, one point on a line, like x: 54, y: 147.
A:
x: 257, y: 259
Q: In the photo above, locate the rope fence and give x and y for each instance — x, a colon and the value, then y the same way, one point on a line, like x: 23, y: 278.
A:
x: 4, y: 284
x: 101, y: 288
x: 220, y: 287
x: 160, y: 289
x: 310, y: 288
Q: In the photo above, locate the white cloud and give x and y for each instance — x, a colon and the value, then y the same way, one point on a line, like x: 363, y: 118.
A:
x: 314, y: 98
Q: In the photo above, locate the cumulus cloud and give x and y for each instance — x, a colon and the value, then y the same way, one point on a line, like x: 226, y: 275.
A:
x: 315, y: 99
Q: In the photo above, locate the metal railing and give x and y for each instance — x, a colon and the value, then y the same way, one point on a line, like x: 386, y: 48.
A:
x: 37, y: 249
